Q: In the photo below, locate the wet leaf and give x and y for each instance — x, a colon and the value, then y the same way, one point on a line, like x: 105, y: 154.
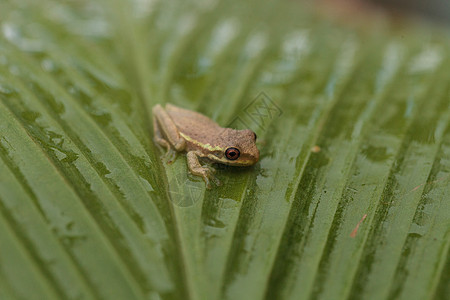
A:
x: 348, y: 201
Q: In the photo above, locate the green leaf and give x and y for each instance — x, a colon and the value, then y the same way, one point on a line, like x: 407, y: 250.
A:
x: 349, y: 199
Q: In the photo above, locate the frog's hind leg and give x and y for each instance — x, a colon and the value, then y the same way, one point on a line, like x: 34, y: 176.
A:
x: 160, y: 133
x: 157, y: 136
x: 167, y: 127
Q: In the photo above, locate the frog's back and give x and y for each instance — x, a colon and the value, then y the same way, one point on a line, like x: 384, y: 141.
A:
x: 193, y: 124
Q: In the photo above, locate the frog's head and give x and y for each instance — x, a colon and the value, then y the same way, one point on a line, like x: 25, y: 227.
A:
x: 238, y: 148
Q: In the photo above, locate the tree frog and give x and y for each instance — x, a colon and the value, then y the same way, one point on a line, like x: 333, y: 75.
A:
x: 179, y: 130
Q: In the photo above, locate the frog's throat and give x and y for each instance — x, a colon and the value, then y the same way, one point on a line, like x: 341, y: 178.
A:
x: 205, y: 146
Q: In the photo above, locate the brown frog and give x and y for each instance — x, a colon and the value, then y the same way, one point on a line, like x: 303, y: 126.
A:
x: 180, y: 130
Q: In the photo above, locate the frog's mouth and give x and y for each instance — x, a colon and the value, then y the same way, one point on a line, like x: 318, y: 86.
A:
x: 238, y: 162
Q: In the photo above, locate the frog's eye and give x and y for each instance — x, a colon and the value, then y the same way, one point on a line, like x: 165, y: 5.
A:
x: 254, y: 135
x: 232, y: 153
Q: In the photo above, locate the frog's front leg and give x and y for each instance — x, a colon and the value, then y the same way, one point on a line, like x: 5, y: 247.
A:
x: 197, y: 169
x: 166, y: 133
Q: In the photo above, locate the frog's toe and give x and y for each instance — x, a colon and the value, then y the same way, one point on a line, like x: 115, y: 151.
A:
x: 206, y: 175
x: 217, y: 181
x: 207, y: 182
x: 170, y: 156
x: 209, y: 177
x: 210, y: 169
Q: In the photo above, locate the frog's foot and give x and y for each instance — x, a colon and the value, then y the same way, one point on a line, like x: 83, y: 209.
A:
x: 210, y: 168
x: 213, y: 170
x: 170, y: 155
x: 161, y: 143
x: 217, y: 181
x: 208, y: 177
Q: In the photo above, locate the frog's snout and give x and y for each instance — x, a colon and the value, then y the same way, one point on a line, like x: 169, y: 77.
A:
x: 256, y: 155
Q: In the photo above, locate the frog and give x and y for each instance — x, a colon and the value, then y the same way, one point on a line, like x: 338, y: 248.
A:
x: 182, y: 130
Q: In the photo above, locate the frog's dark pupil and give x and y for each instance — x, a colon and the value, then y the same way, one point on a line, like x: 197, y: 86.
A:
x: 232, y: 153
